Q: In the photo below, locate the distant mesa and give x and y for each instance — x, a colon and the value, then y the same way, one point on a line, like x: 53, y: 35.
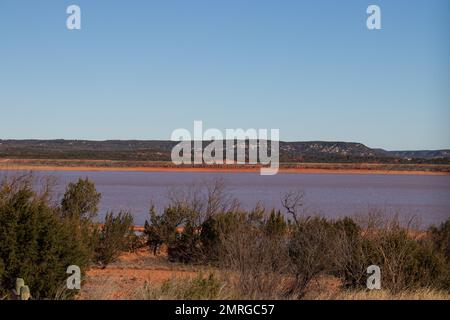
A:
x: 159, y: 150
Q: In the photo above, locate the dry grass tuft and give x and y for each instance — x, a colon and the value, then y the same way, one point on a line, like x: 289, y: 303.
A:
x: 420, y: 294
x: 202, y: 287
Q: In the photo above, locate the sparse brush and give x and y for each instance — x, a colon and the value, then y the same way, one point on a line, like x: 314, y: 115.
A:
x: 114, y: 237
x: 419, y: 294
x: 202, y: 287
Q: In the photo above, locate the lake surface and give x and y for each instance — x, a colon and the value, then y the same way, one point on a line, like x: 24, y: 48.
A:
x: 330, y: 195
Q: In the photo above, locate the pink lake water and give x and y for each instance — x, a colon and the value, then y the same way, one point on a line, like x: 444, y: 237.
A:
x: 329, y: 195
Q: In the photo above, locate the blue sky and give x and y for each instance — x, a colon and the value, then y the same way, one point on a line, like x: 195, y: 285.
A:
x: 140, y: 69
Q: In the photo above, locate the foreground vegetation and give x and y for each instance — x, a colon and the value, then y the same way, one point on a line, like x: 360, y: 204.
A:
x: 256, y: 254
x: 213, y: 287
x: 39, y: 238
x: 270, y: 256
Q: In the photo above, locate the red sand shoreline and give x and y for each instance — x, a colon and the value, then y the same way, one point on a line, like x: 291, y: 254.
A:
x: 9, y: 167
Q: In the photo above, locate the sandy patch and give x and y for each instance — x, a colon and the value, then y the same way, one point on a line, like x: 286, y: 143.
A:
x: 124, y: 277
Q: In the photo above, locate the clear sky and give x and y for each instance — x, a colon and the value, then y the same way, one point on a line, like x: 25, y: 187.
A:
x: 140, y: 69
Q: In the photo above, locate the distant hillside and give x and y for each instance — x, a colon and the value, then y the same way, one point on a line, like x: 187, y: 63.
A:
x: 159, y: 150
x: 425, y: 154
x: 322, y: 149
x: 85, y: 149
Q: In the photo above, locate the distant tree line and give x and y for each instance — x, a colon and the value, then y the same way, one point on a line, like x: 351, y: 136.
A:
x: 161, y: 151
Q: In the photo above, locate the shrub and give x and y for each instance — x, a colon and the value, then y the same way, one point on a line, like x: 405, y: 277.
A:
x: 210, y: 240
x: 153, y: 231
x: 181, y: 225
x: 275, y: 225
x: 354, y: 253
x: 162, y: 229
x: 311, y: 252
x: 81, y: 200
x: 79, y: 208
x: 35, y: 243
x: 405, y: 261
x: 177, y: 227
x: 137, y: 242
x: 185, y: 247
x: 114, y: 237
x: 440, y: 237
x: 427, y: 268
x: 202, y: 288
x: 256, y: 258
